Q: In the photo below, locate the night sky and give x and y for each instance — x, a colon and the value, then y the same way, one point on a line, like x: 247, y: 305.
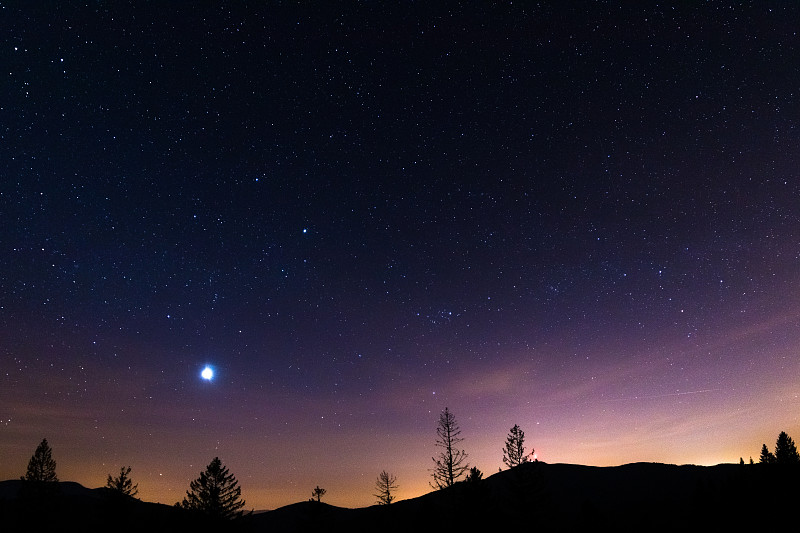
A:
x: 582, y: 219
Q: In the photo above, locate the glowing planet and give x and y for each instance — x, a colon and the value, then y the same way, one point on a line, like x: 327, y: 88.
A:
x: 207, y: 373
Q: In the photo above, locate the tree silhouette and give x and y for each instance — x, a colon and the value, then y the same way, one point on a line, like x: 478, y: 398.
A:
x: 514, y: 451
x: 40, y: 483
x: 385, y: 485
x: 766, y: 456
x: 451, y: 463
x: 786, y: 450
x: 215, y: 493
x: 317, y: 494
x: 42, y: 466
x: 123, y: 484
x: 474, y: 475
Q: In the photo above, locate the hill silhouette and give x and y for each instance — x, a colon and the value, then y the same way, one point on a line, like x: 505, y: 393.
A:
x: 557, y: 497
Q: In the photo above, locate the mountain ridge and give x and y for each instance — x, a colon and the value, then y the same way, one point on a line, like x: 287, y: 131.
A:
x: 553, y: 497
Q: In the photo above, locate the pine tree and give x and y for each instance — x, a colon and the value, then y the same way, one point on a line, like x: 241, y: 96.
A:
x: 514, y: 451
x: 766, y: 456
x: 123, y: 484
x: 215, y: 493
x: 40, y: 484
x: 786, y: 450
x: 317, y: 494
x: 42, y: 466
x: 385, y: 486
x: 474, y: 476
x: 451, y: 464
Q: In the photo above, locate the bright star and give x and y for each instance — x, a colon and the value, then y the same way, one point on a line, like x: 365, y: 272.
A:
x: 207, y: 373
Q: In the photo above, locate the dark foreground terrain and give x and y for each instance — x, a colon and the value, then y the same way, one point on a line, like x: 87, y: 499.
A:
x: 634, y: 497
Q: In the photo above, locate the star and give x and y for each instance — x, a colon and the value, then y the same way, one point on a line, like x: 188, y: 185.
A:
x: 207, y: 373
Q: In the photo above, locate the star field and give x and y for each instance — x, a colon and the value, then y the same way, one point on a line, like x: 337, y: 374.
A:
x: 582, y: 219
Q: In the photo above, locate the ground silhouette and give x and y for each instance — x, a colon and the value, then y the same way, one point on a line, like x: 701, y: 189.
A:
x: 558, y: 497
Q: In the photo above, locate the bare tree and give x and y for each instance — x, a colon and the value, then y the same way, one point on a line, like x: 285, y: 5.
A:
x: 451, y: 463
x: 317, y: 494
x: 385, y: 485
x: 514, y: 451
x: 123, y: 483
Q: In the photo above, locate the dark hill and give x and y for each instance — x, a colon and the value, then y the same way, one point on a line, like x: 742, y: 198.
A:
x: 562, y: 497
x: 559, y: 497
x: 69, y: 506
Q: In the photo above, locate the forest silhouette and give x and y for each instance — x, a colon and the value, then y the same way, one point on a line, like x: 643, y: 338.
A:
x: 529, y: 493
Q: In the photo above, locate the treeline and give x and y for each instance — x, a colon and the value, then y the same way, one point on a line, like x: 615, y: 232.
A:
x: 785, y: 452
x: 215, y: 493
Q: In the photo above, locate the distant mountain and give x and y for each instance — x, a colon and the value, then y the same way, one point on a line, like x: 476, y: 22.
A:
x: 69, y: 506
x: 9, y: 490
x: 538, y: 496
x: 564, y: 497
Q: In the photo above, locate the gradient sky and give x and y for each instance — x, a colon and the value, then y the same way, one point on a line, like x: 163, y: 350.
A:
x: 584, y: 220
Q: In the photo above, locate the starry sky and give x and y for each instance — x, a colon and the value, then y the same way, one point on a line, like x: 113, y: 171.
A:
x: 583, y: 219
